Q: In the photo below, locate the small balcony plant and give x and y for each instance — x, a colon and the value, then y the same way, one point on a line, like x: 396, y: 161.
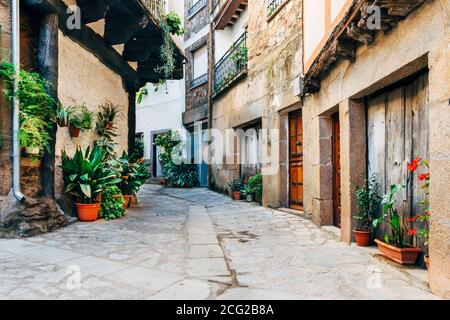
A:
x: 367, y: 200
x: 235, y: 187
x: 397, y: 244
x: 81, y: 121
x: 63, y: 115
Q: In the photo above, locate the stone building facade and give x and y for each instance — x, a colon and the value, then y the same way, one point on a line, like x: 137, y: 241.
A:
x: 263, y: 95
x: 375, y: 99
x: 196, y: 40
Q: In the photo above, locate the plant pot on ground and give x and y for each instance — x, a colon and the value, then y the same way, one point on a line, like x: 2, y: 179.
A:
x: 366, y: 203
x: 85, y: 177
x: 236, y: 185
x: 127, y: 198
x: 397, y: 244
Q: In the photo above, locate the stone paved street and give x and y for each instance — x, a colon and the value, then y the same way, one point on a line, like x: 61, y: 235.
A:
x: 196, y: 244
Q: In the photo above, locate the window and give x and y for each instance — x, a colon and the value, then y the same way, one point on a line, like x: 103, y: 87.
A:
x: 200, y: 65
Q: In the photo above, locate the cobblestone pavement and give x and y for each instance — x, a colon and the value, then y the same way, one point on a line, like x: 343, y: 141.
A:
x: 196, y: 244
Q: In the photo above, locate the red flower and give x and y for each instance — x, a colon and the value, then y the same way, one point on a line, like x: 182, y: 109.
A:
x: 245, y: 180
x: 412, y: 219
x: 414, y: 164
x: 412, y: 232
x: 424, y: 176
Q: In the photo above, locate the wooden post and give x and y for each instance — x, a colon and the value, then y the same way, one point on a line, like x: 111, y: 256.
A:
x: 48, y: 68
x: 131, y: 89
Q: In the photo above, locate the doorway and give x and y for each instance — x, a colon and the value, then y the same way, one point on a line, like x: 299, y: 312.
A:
x: 296, y: 160
x: 336, y: 158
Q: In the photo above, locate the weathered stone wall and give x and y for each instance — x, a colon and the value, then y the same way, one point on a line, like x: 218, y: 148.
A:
x: 84, y: 79
x: 275, y: 62
x: 421, y: 40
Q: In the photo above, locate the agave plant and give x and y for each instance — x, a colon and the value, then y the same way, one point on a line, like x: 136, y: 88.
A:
x: 85, y: 175
x: 63, y: 114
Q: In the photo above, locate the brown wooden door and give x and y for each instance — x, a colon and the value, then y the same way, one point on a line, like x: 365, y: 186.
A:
x: 336, y: 171
x: 296, y: 160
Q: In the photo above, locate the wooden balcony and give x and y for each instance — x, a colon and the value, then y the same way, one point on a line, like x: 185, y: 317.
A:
x: 226, y: 12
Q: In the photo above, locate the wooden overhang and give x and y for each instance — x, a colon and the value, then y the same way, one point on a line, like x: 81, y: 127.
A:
x: 126, y: 22
x: 229, y: 12
x: 351, y: 32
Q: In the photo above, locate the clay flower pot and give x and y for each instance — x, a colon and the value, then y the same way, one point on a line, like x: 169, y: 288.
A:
x: 427, y: 261
x: 87, y: 212
x: 236, y: 195
x: 403, y: 256
x: 134, y: 201
x: 127, y: 199
x: 74, y: 131
x: 362, y: 238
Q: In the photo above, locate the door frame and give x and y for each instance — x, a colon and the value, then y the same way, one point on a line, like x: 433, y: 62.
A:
x: 288, y: 158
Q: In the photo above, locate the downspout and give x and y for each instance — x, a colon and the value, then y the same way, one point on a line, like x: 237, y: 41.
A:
x: 15, y: 8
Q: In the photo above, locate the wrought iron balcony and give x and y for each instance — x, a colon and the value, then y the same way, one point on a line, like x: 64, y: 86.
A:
x: 199, y: 81
x: 196, y: 7
x: 273, y: 6
x: 232, y: 65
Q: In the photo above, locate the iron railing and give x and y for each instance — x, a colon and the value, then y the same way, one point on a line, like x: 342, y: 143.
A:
x: 196, y: 7
x: 232, y: 64
x: 156, y: 7
x: 199, y: 81
x: 273, y: 5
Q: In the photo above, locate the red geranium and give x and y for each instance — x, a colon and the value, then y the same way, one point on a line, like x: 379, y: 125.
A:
x: 414, y: 164
x: 424, y: 176
x: 412, y: 232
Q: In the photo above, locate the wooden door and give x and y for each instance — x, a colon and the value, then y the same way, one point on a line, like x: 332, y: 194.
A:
x: 397, y: 131
x: 296, y: 160
x: 336, y: 171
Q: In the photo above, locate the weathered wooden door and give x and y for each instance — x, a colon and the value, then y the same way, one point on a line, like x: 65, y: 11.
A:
x: 296, y: 160
x: 397, y: 130
x: 336, y: 171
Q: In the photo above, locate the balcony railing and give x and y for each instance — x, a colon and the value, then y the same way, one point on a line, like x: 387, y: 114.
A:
x: 273, y: 6
x: 232, y: 64
x: 196, y: 7
x: 199, y: 81
x: 156, y: 7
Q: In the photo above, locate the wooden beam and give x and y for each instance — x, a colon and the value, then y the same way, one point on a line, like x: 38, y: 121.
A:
x: 120, y: 29
x: 359, y: 34
x: 88, y: 39
x: 140, y: 50
x: 92, y: 10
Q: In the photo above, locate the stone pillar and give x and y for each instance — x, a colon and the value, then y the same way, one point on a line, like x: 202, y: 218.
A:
x: 322, y: 174
x: 439, y: 242
x: 271, y: 177
x: 352, y: 119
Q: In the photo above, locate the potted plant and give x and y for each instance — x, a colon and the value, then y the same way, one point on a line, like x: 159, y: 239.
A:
x: 396, y: 245
x: 236, y: 186
x: 366, y: 203
x: 181, y: 175
x: 256, y: 185
x: 247, y: 191
x: 85, y: 177
x: 33, y: 137
x: 112, y: 204
x: 133, y: 176
x: 106, y: 116
x: 422, y: 219
x: 63, y: 115
x: 75, y: 126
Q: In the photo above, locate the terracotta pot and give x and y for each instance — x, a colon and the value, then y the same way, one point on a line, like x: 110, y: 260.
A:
x: 362, y: 238
x: 127, y: 200
x: 74, y: 131
x: 427, y: 261
x: 99, y: 198
x: 134, y: 201
x: 236, y: 195
x: 404, y: 256
x: 87, y: 212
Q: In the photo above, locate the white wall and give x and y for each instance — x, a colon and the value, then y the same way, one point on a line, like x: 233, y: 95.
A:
x: 225, y: 38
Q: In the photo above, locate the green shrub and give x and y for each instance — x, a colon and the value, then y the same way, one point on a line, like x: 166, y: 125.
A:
x: 112, y: 204
x: 181, y: 175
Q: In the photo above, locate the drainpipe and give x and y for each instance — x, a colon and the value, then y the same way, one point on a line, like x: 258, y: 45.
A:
x: 15, y: 8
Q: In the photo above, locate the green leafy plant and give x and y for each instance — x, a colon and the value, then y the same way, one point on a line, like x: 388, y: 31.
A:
x: 141, y: 93
x: 133, y: 174
x: 367, y: 200
x: 138, y: 152
x: 236, y: 185
x: 240, y: 55
x: 37, y: 108
x: 167, y: 142
x: 398, y: 233
x: 85, y: 174
x: 256, y: 186
x: 63, y: 114
x: 112, y: 204
x: 181, y: 175
x: 86, y: 117
x: 173, y: 21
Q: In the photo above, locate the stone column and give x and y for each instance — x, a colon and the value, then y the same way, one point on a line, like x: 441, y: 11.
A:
x: 352, y: 119
x: 439, y: 242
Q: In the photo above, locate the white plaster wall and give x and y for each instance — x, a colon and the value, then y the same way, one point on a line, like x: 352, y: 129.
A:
x: 225, y: 38
x: 160, y: 110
